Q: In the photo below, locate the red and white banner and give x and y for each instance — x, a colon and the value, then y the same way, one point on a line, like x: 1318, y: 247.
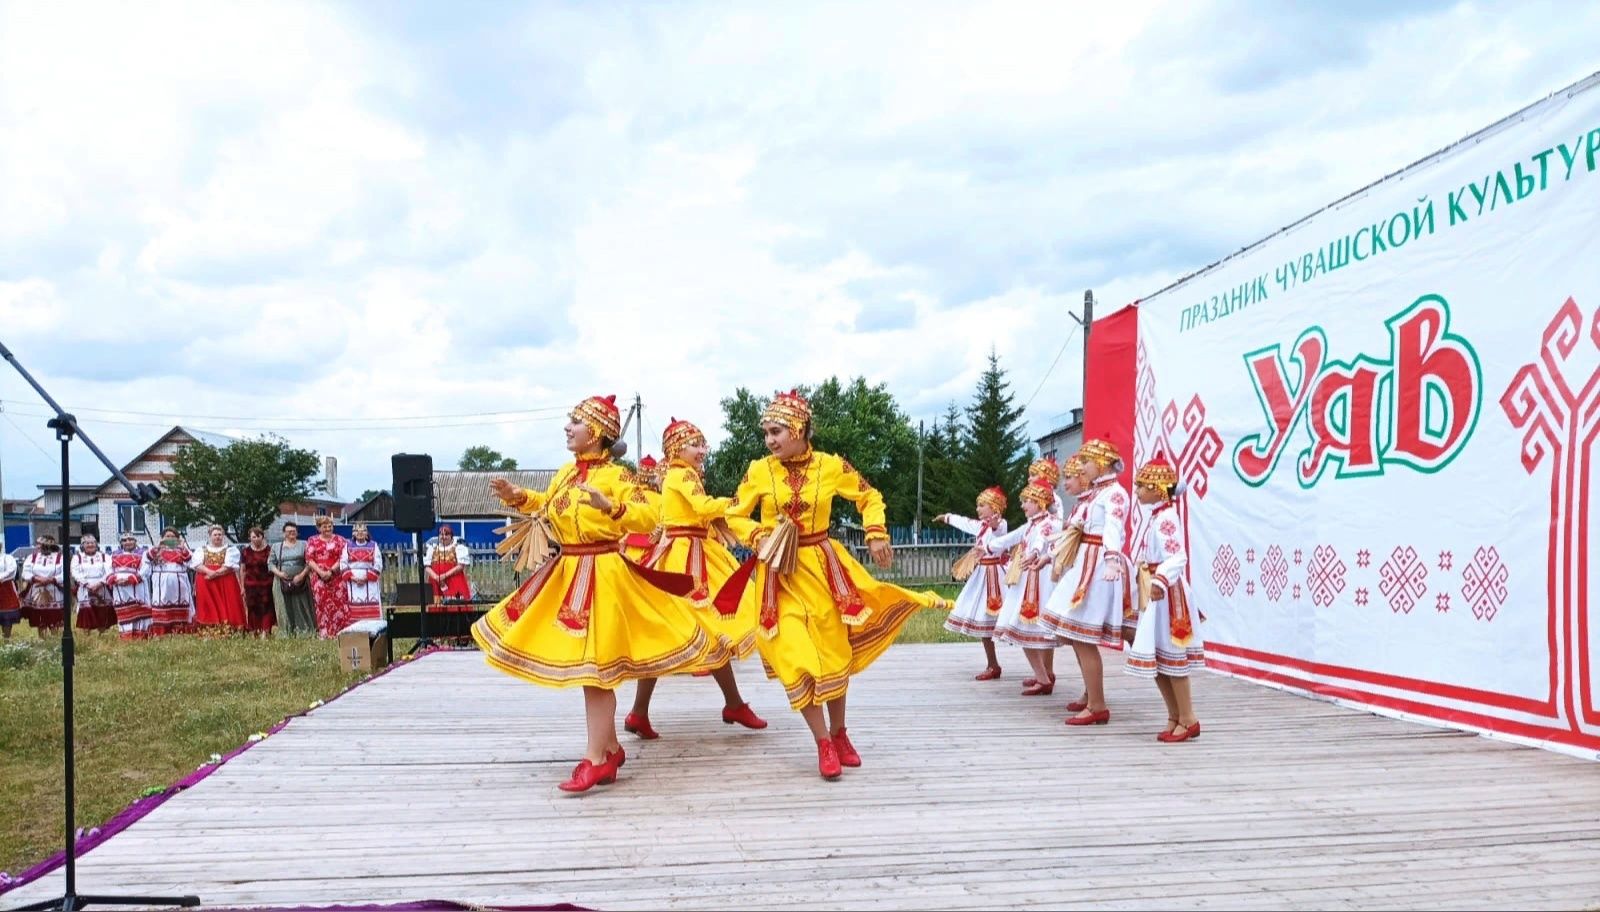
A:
x: 1387, y: 414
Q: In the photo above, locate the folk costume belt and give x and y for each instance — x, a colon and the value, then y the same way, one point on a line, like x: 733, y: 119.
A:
x: 572, y: 617
x: 853, y: 610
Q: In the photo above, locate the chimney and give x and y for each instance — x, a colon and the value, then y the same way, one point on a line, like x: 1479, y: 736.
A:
x: 330, y: 474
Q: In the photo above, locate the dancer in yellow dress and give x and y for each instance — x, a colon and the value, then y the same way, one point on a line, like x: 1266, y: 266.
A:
x: 589, y: 617
x: 690, y: 540
x: 820, y: 617
x: 638, y: 545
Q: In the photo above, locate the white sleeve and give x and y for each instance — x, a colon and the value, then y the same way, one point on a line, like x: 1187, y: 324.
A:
x: 1000, y: 544
x: 463, y: 555
x: 197, y: 557
x: 61, y: 570
x: 8, y: 567
x: 77, y: 569
x: 344, y: 561
x: 964, y: 524
x: 231, y: 561
x: 377, y: 559
x: 1174, y: 557
x: 1114, y: 507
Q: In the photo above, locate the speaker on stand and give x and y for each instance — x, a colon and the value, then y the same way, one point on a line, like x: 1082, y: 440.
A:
x: 414, y: 513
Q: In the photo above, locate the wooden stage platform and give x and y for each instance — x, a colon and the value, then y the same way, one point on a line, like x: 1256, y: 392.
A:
x: 438, y: 781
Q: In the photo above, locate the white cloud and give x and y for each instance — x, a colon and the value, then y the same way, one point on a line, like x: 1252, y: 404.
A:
x: 355, y: 211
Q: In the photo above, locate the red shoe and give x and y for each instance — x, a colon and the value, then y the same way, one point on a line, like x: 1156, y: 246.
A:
x: 1077, y: 706
x: 1038, y: 690
x: 847, y: 751
x: 745, y: 716
x: 586, y: 776
x: 988, y: 674
x: 1094, y: 718
x: 828, y: 759
x: 1029, y: 682
x: 1186, y: 734
x: 639, y: 725
x: 621, y: 755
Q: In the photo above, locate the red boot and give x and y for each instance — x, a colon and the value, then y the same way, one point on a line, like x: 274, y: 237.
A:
x: 846, y: 750
x: 745, y: 716
x: 586, y: 776
x: 828, y: 759
x: 639, y: 725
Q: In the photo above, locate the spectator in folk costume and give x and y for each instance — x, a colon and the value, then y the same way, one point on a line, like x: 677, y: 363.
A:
x: 1092, y: 608
x: 447, y: 561
x: 1167, y: 644
x: 638, y: 546
x: 691, y: 541
x: 1019, y: 621
x: 588, y: 617
x: 10, y: 605
x: 978, y: 606
x: 362, y: 568
x: 218, y: 597
x: 821, y: 617
x: 328, y: 592
x: 91, y: 571
x: 44, y: 573
x: 130, y: 587
x: 171, y: 595
x: 288, y: 564
x: 260, y: 615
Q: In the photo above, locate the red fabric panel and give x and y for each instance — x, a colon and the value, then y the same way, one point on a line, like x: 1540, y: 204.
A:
x: 1113, y: 369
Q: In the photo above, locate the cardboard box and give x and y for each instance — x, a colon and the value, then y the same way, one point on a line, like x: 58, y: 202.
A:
x: 363, y: 648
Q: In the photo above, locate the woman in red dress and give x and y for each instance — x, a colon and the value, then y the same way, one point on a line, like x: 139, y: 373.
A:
x: 260, y: 615
x: 448, y: 561
x: 218, y: 601
x: 328, y: 592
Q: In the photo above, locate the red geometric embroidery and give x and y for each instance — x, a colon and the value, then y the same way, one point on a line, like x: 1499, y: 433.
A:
x: 1274, y: 573
x: 1405, y: 579
x: 1485, y: 583
x: 1441, y: 602
x: 1325, y: 576
x: 1225, y: 570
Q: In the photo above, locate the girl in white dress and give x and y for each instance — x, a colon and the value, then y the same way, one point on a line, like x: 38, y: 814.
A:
x: 1019, y: 620
x: 1167, y: 644
x: 978, y: 605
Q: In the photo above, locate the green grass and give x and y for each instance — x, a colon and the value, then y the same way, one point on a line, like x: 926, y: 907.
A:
x: 147, y: 713
x: 927, y: 626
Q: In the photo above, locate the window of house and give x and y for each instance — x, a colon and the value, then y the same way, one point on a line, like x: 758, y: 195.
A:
x: 132, y: 517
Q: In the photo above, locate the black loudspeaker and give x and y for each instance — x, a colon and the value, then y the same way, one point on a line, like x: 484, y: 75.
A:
x: 413, y: 492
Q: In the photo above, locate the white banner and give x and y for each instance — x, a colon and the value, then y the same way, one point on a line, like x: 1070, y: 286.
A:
x: 1388, y: 414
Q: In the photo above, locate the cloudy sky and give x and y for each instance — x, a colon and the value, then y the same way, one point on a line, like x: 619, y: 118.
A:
x: 365, y: 225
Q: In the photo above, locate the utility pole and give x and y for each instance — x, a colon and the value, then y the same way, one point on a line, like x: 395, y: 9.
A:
x: 638, y: 426
x: 916, y: 519
x: 1088, y: 321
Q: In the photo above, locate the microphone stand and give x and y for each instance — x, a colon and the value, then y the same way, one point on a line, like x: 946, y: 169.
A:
x: 66, y: 427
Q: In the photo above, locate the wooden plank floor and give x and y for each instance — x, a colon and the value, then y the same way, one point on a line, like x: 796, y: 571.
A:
x: 438, y: 781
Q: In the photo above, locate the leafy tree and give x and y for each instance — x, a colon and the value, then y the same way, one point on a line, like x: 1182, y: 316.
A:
x: 995, y: 448
x: 240, y: 485
x: 741, y: 444
x: 486, y: 459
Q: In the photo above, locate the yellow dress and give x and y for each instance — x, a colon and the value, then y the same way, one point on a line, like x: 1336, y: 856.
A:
x: 829, y: 619
x: 689, y: 545
x: 586, y: 617
x: 638, y: 546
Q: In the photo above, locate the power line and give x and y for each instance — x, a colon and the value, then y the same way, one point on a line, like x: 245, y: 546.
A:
x: 325, y: 428
x: 175, y: 418
x: 1070, y: 336
x: 25, y: 435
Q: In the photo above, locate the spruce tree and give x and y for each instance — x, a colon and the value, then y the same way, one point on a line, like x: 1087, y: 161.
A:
x: 995, y: 448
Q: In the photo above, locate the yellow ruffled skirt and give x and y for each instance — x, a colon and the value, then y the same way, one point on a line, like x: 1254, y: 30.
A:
x: 677, y: 554
x: 587, y: 619
x: 826, y: 621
